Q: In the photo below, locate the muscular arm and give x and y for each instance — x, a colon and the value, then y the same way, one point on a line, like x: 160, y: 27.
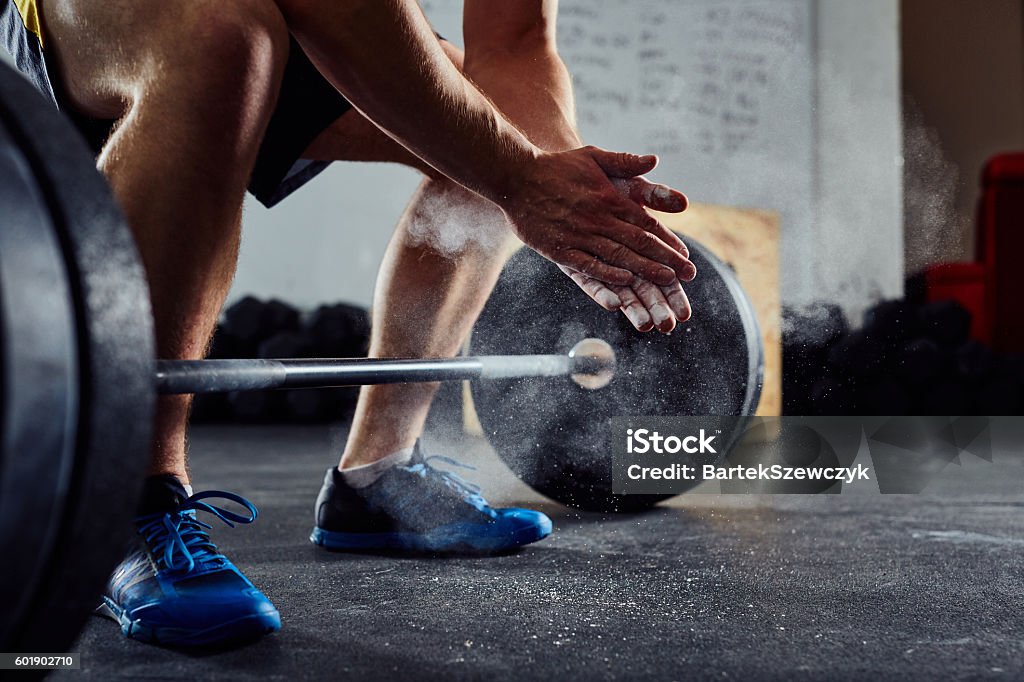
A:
x: 511, y: 54
x: 383, y: 56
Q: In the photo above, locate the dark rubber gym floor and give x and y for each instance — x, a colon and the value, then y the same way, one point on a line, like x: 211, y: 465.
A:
x: 706, y: 586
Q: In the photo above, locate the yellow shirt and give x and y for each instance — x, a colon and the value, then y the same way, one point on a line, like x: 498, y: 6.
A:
x: 29, y: 11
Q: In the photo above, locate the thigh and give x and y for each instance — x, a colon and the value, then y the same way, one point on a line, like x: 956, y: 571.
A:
x: 106, y: 52
x: 353, y: 137
x: 97, y: 49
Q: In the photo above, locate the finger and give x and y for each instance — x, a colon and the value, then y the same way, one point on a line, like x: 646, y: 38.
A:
x: 591, y: 265
x: 634, y: 310
x: 602, y: 295
x: 657, y: 305
x: 622, y: 164
x: 634, y: 215
x: 672, y: 239
x: 628, y: 189
x: 652, y: 248
x: 615, y: 252
x: 678, y: 302
x: 653, y: 195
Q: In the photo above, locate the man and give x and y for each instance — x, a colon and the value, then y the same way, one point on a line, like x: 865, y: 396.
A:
x: 188, y: 104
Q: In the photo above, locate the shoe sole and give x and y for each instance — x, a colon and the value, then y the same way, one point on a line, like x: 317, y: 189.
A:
x: 241, y: 629
x: 458, y: 537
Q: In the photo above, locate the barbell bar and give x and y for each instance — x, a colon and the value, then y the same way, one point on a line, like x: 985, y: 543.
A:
x: 590, y: 363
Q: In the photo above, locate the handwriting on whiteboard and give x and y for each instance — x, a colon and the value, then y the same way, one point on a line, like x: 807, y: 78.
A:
x: 694, y: 75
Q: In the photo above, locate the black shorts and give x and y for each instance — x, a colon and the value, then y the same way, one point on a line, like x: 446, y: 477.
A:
x: 307, y: 105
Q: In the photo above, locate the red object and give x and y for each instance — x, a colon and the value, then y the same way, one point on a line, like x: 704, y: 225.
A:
x: 1000, y: 246
x: 992, y: 288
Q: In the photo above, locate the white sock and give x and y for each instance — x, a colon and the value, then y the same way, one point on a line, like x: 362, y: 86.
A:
x: 367, y: 474
x: 188, y: 489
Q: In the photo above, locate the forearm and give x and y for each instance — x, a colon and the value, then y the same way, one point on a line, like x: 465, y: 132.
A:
x: 532, y: 87
x: 383, y: 56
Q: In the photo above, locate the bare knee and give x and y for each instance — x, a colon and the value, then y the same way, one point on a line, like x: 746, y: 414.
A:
x: 453, y: 222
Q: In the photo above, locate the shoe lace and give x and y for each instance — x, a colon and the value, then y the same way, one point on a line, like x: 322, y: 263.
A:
x: 180, y: 540
x: 470, y: 492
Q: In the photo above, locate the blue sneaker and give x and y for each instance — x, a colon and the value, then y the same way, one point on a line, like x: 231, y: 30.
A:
x: 418, y: 507
x: 174, y: 588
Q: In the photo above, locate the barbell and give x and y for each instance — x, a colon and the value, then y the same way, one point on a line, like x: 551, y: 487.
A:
x: 78, y: 378
x: 590, y: 364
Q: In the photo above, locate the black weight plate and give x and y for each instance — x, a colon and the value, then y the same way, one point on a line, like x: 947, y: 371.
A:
x: 39, y: 385
x: 554, y: 434
x: 116, y: 368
